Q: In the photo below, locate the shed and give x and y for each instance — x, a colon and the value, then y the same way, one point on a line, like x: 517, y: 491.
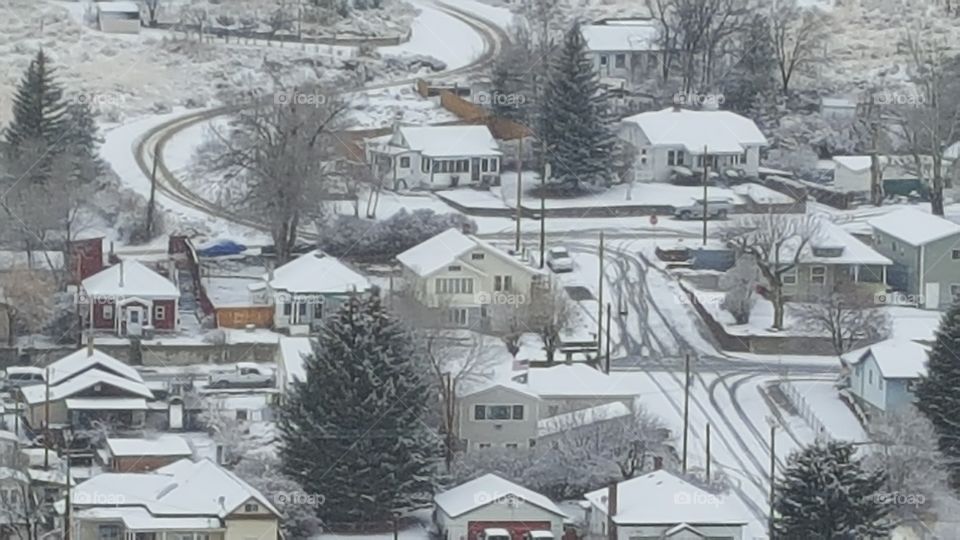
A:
x: 118, y: 17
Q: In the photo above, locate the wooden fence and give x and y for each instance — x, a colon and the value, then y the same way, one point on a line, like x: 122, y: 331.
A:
x: 241, y: 316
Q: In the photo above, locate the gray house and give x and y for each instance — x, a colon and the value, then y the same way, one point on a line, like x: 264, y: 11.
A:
x: 883, y: 375
x: 925, y: 250
x: 624, y: 52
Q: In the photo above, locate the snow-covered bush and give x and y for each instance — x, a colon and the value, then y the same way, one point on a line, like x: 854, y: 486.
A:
x: 356, y: 238
x: 740, y: 282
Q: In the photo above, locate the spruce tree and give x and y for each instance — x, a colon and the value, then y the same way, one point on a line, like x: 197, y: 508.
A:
x: 576, y: 130
x: 353, y: 431
x: 81, y: 139
x: 826, y: 494
x: 937, y: 393
x: 39, y: 110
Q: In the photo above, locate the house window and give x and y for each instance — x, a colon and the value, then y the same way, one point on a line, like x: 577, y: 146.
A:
x: 955, y: 291
x: 251, y: 507
x: 424, y: 165
x: 679, y: 157
x: 553, y: 410
x: 484, y: 165
x: 483, y: 445
x: 145, y: 536
x: 499, y: 412
x: 893, y: 245
x: 479, y: 412
x: 108, y: 532
x: 511, y: 445
x: 502, y: 283
x: 880, y: 382
x: 108, y: 313
x: 869, y: 376
x: 454, y: 268
x: 405, y: 162
x: 603, y: 59
x: 287, y: 309
x: 159, y: 313
x: 518, y: 412
x: 955, y: 254
x: 671, y: 157
x: 494, y: 164
x: 818, y: 274
x: 790, y: 277
x: 302, y: 309
x: 318, y: 310
x: 241, y: 414
x: 476, y: 256
x: 457, y: 316
x: 620, y: 60
x: 532, y: 443
x: 454, y: 286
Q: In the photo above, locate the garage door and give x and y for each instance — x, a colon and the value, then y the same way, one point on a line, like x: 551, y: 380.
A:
x: 516, y: 528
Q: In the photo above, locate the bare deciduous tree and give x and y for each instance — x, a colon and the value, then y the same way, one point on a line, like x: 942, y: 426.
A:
x: 153, y: 8
x: 776, y: 242
x: 547, y: 315
x: 849, y: 317
x: 799, y: 35
x: 740, y: 283
x: 29, y: 297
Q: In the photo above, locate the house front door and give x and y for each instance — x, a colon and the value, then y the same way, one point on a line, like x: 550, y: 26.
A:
x: 475, y: 170
x: 134, y: 320
x: 931, y: 296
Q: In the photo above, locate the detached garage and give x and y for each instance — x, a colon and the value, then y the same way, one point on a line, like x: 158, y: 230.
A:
x: 490, y: 502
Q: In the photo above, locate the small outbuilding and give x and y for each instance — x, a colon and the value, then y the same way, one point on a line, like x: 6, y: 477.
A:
x: 118, y: 17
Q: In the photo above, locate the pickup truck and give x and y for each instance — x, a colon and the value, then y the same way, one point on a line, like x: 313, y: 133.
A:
x: 246, y: 374
x: 716, y: 208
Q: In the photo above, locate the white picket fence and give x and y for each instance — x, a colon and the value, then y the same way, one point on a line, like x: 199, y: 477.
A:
x: 799, y: 402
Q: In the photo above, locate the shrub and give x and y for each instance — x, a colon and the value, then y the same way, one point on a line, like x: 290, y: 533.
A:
x: 361, y: 239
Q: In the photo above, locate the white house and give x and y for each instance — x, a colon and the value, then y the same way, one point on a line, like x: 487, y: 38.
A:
x: 852, y: 173
x: 662, y: 505
x: 575, y: 386
x: 677, y: 137
x: 623, y: 50
x: 435, y: 157
x: 307, y: 289
x: 463, y: 512
x: 475, y: 283
x: 185, y: 499
x: 883, y: 375
x: 290, y: 359
x: 118, y: 17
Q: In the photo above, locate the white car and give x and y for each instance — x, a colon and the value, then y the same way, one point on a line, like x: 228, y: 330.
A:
x: 495, y: 534
x: 559, y: 260
x: 246, y: 374
x: 716, y: 209
x: 538, y: 535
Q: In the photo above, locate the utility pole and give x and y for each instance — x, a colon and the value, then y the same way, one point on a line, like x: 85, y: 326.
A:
x: 600, y: 300
x: 153, y: 195
x: 608, y: 338
x: 519, y: 189
x: 706, y: 168
x: 708, y: 452
x: 773, y: 472
x: 46, y: 421
x: 686, y: 409
x: 67, y: 532
x: 448, y: 385
x: 543, y: 212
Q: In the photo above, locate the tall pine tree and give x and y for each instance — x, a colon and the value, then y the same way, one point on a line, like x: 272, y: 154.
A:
x: 826, y: 494
x: 937, y: 393
x: 352, y: 432
x: 576, y: 133
x: 39, y: 110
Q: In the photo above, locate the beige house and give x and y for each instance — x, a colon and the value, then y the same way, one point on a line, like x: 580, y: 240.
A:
x: 184, y: 500
x: 471, y: 282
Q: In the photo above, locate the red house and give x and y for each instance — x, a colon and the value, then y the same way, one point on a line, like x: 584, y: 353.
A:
x: 128, y: 296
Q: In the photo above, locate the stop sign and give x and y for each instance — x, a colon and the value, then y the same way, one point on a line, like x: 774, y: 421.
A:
x: 653, y: 219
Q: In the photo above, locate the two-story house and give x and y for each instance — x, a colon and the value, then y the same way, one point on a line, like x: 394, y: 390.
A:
x: 676, y: 137
x: 503, y: 415
x: 925, y: 250
x: 435, y: 157
x: 883, y: 375
x: 624, y: 50
x: 186, y: 499
x: 472, y: 283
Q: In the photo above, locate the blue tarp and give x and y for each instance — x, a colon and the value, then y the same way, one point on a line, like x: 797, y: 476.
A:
x: 221, y: 248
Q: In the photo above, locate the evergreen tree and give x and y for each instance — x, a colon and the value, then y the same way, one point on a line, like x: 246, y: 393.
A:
x: 826, y: 494
x: 81, y: 139
x: 352, y: 432
x: 937, y: 395
x: 575, y: 130
x: 39, y: 110
x: 752, y: 84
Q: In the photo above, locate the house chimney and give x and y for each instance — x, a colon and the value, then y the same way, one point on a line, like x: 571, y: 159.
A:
x: 90, y: 343
x: 121, y: 274
x: 676, y: 106
x: 611, y: 511
x: 657, y: 463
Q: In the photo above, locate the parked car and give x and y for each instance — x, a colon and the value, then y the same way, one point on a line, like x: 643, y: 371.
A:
x: 495, y: 534
x: 559, y: 260
x: 17, y: 376
x: 716, y: 208
x: 246, y: 374
x: 538, y: 535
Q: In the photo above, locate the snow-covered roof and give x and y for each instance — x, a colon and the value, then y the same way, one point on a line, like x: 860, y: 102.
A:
x: 719, y: 131
x: 138, y: 281
x: 106, y: 404
x: 85, y: 359
x: 640, y: 35
x: 487, y: 489
x: 661, y: 497
x: 451, y: 141
x: 37, y: 392
x: 431, y: 255
x: 134, y: 519
x: 575, y: 380
x: 581, y: 418
x: 895, y: 358
x: 118, y: 7
x: 25, y: 370
x: 839, y: 102
x: 831, y: 235
x: 292, y: 351
x: 509, y: 385
x: 952, y: 151
x: 854, y: 163
x: 164, y: 445
x: 914, y: 227
x: 184, y: 489
x: 317, y: 273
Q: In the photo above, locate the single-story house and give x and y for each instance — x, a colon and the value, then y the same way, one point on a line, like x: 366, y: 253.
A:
x: 897, y: 174
x: 662, y: 505
x: 925, y: 250
x: 185, y: 499
x: 141, y: 455
x: 118, y: 17
x: 627, y: 50
x: 435, y: 157
x: 677, y: 137
x: 128, y: 297
x: 307, y: 289
x: 290, y: 361
x: 883, y: 375
x: 490, y: 502
x: 474, y: 283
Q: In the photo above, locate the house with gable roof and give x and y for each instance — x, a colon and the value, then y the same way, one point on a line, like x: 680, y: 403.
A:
x: 624, y: 50
x: 884, y: 375
x: 186, y: 499
x: 473, y: 283
x: 128, y: 297
x: 490, y: 502
x: 674, y: 138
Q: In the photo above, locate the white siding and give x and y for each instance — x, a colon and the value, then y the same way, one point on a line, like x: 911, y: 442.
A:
x: 501, y: 510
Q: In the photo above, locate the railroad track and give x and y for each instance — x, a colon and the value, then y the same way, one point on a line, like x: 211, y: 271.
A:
x: 148, y: 149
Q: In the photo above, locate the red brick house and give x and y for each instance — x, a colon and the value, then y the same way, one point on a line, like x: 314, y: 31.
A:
x: 127, y: 297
